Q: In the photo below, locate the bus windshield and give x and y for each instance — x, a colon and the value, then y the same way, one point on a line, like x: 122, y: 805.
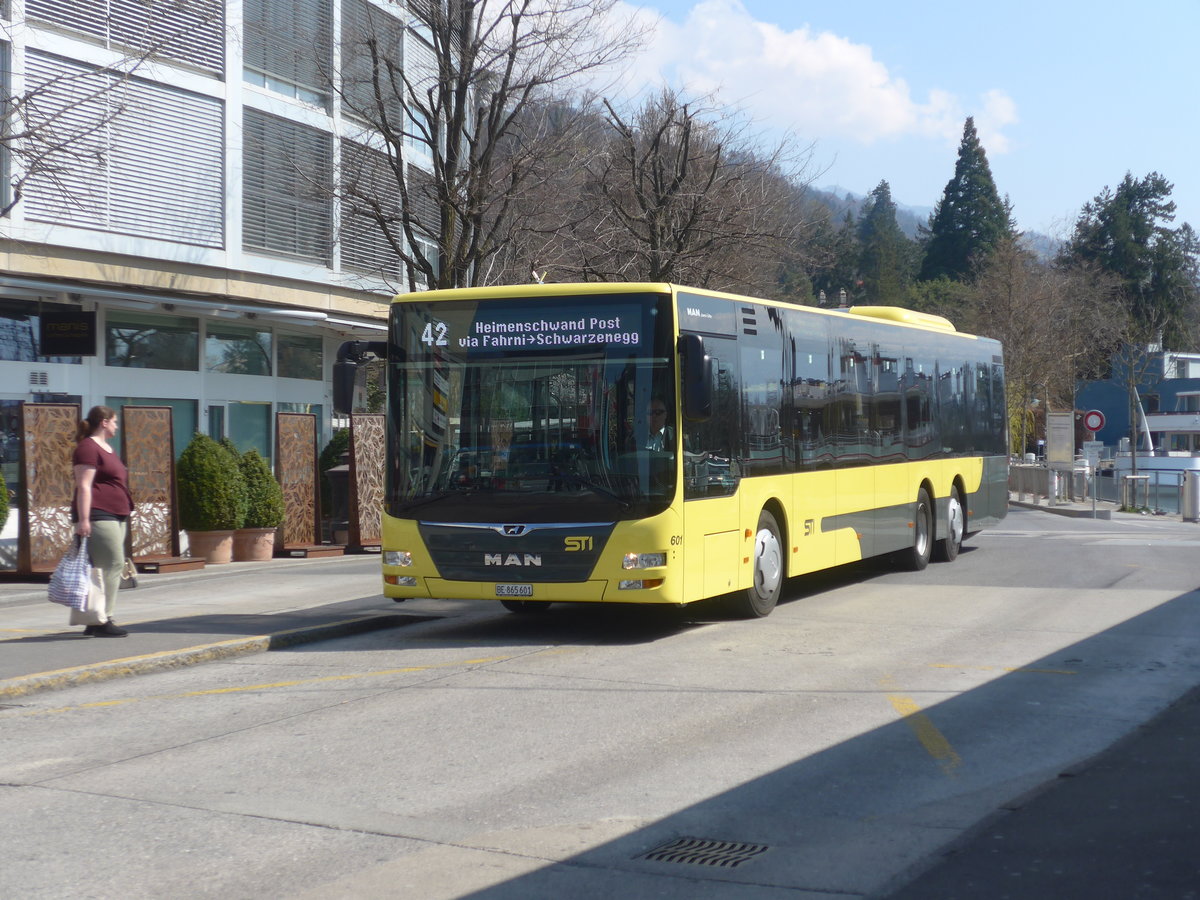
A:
x: 547, y: 410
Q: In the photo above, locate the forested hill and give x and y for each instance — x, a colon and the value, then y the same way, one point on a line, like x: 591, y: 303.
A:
x: 911, y: 219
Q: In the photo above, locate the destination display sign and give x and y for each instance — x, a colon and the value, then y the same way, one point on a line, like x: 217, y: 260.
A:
x: 541, y: 328
x: 542, y: 332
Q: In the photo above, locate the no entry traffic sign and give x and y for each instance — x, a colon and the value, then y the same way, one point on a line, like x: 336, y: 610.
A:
x: 1093, y: 420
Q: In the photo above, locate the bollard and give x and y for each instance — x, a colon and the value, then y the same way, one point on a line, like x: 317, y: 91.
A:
x: 1189, y: 502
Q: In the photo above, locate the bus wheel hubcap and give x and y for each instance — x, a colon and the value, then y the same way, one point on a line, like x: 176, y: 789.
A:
x: 768, y: 565
x: 956, y: 521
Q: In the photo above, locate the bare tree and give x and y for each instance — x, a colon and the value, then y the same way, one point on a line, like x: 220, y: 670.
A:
x: 674, y: 192
x: 1138, y: 353
x: 451, y: 132
x: 1056, y: 323
x: 56, y: 125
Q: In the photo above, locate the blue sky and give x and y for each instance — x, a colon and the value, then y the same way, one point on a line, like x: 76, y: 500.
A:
x: 1067, y: 95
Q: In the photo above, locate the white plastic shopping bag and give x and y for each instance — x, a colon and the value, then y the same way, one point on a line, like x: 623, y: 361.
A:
x: 93, y: 612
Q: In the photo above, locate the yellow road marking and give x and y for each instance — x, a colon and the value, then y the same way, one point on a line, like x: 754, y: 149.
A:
x: 1003, y: 669
x: 934, y: 742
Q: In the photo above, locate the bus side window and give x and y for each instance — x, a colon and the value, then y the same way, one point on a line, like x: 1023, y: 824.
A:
x: 710, y: 449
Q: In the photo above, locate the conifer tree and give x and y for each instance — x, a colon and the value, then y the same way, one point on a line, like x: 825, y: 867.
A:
x: 1127, y: 233
x: 884, y: 250
x: 970, y: 219
x: 835, y: 261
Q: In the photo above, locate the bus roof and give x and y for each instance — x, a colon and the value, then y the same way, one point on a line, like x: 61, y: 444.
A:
x: 895, y: 314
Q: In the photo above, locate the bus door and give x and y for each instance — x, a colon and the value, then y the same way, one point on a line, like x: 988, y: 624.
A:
x: 713, y: 540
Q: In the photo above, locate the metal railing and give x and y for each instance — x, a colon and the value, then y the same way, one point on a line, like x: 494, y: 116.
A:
x: 1162, y: 493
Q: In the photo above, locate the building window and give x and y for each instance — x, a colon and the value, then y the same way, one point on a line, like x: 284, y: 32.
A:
x: 427, y: 250
x: 237, y: 350
x: 191, y: 31
x: 285, y: 188
x: 250, y: 426
x: 288, y: 47
x: 122, y: 154
x: 372, y: 44
x: 420, y: 17
x: 147, y: 341
x: 300, y: 357
x: 20, y: 331
x: 6, y: 92
x: 183, y: 417
x: 369, y: 194
x: 416, y: 130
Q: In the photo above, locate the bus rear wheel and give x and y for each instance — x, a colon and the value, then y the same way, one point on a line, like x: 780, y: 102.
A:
x: 526, y: 607
x: 917, y: 556
x: 760, y: 598
x: 946, y: 550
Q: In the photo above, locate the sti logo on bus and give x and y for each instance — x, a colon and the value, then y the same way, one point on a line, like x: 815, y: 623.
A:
x: 512, y: 559
x: 576, y: 544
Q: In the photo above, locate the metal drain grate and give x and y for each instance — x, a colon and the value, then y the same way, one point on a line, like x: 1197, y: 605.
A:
x: 705, y: 852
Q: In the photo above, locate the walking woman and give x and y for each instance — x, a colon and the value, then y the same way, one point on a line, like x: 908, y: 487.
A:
x: 102, y: 506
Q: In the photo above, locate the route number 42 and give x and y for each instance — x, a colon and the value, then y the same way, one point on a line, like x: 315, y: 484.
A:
x: 435, y: 334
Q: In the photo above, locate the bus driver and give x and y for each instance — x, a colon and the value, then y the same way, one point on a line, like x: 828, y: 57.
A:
x: 662, y: 435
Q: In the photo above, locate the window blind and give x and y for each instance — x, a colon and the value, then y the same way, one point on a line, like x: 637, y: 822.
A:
x: 286, y: 184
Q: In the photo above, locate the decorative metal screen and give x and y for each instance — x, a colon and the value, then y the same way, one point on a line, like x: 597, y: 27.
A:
x: 47, y: 483
x: 296, y: 470
x: 366, y: 480
x: 149, y: 450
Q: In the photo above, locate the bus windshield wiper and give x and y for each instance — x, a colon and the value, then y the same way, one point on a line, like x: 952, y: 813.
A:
x: 442, y: 495
x: 597, y: 488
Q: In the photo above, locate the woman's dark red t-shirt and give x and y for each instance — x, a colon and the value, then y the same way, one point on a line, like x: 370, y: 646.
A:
x: 110, y: 490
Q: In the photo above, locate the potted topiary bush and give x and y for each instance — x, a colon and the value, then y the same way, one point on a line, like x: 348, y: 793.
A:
x: 255, y: 540
x: 212, y: 498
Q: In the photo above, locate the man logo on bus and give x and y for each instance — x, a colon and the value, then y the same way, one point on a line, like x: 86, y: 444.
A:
x: 514, y: 530
x: 513, y: 559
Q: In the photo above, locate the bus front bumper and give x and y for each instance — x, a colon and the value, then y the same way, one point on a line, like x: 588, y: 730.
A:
x: 596, y: 591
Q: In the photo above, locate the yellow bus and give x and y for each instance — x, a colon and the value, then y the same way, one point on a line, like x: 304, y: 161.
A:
x: 651, y: 443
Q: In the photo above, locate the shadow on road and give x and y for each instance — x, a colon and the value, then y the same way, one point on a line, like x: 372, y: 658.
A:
x: 960, y: 756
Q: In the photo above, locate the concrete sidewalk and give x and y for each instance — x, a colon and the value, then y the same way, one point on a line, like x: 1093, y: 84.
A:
x: 191, y: 617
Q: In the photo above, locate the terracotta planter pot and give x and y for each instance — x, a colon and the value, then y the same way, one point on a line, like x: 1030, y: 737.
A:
x: 215, y: 547
x: 253, y: 544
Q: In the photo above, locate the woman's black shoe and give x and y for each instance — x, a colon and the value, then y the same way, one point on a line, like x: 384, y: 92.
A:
x: 108, y: 629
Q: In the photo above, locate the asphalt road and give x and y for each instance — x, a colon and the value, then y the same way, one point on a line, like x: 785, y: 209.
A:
x: 830, y: 750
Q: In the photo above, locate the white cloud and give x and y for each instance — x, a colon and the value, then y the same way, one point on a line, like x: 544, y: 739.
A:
x: 814, y: 84
x: 999, y: 111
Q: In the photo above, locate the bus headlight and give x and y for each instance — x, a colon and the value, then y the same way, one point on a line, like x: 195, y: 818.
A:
x: 400, y: 580
x: 644, y: 560
x: 397, y: 558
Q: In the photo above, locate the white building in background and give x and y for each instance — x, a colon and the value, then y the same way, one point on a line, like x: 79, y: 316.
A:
x: 221, y: 281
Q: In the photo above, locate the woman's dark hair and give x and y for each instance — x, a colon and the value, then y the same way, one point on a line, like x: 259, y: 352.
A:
x: 89, y: 426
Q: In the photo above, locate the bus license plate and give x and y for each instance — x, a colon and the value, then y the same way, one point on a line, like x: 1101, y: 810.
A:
x: 514, y: 590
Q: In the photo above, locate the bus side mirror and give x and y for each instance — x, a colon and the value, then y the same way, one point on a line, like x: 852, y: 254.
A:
x: 695, y: 378
x: 345, y: 371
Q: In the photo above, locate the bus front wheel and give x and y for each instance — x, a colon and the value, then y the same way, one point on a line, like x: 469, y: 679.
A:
x: 947, y: 548
x: 760, y: 598
x: 526, y: 607
x: 917, y: 556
